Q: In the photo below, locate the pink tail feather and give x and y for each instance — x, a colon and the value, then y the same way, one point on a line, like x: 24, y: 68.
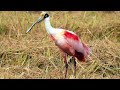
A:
x: 88, y: 51
x: 81, y: 56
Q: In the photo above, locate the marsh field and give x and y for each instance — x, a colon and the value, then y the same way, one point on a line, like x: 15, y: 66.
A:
x: 35, y: 56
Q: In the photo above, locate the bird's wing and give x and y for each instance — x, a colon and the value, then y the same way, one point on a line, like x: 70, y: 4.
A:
x: 73, y: 40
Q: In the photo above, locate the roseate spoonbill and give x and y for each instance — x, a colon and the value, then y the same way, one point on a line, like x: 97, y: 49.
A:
x: 67, y: 41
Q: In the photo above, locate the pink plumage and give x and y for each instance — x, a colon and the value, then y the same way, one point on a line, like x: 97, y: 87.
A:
x: 72, y: 45
x: 67, y: 41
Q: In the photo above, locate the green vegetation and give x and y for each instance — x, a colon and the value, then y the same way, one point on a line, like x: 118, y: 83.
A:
x: 34, y: 55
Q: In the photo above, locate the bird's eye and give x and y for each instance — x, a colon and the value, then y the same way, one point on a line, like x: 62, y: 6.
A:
x: 46, y: 15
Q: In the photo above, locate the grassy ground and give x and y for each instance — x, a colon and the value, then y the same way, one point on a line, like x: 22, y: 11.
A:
x: 34, y: 55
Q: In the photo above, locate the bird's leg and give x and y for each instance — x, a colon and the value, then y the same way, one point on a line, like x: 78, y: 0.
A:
x: 66, y: 64
x: 64, y: 55
x: 74, y: 67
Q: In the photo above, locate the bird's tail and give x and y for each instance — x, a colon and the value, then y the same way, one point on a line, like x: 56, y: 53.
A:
x: 79, y: 56
x: 82, y: 56
x: 88, y: 50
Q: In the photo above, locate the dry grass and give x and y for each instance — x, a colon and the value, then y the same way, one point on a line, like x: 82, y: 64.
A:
x: 34, y: 55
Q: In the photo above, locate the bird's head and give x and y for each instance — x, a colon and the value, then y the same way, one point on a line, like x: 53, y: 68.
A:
x: 42, y: 17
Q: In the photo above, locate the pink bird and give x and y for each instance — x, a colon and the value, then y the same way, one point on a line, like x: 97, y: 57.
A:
x: 67, y: 41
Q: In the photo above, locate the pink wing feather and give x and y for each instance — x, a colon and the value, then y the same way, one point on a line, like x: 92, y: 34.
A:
x: 81, y: 50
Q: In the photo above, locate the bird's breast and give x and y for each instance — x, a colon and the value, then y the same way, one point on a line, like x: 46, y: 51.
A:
x: 63, y: 45
x: 57, y: 35
x: 52, y: 37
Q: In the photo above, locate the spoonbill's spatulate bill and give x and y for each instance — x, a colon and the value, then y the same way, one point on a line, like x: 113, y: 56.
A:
x: 67, y: 41
x: 39, y: 20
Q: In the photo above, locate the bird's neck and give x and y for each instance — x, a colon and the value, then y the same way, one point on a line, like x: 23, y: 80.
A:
x: 48, y: 26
